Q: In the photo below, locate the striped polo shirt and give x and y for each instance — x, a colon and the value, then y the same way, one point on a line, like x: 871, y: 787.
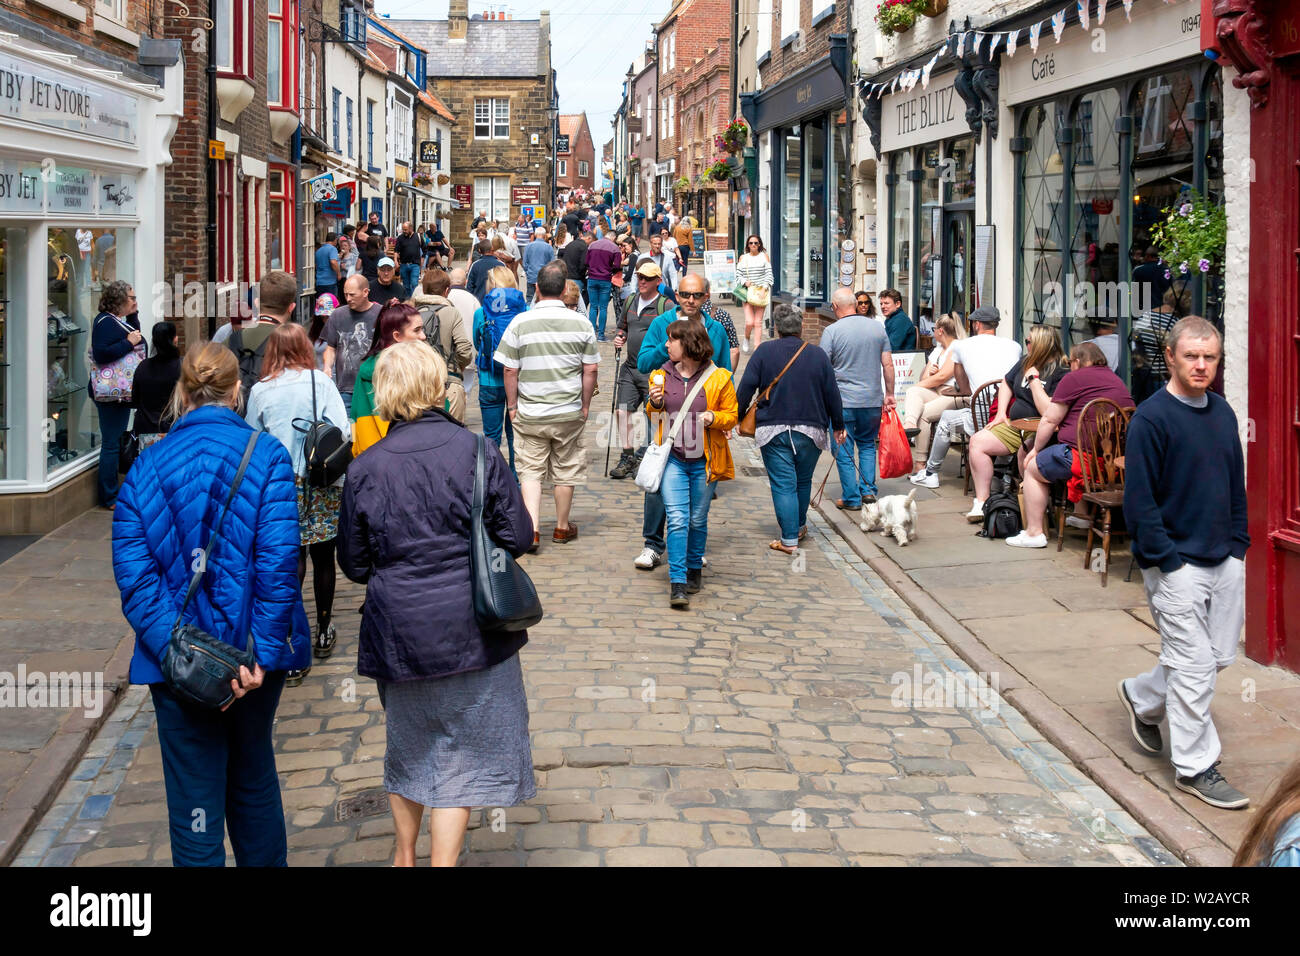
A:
x: 549, y: 344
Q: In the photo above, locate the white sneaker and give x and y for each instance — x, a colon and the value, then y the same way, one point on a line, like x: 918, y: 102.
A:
x: 704, y: 562
x: 648, y: 559
x: 976, y: 513
x: 925, y: 480
x: 744, y: 345
x: 1077, y: 521
x: 1024, y: 540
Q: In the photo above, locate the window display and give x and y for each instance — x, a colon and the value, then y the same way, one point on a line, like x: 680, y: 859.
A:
x: 900, y: 228
x: 792, y: 225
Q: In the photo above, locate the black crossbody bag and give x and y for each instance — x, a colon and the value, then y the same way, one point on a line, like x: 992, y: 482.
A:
x: 504, y: 596
x: 198, y: 667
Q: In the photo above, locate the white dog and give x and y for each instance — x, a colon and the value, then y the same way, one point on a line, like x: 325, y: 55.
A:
x: 893, y: 515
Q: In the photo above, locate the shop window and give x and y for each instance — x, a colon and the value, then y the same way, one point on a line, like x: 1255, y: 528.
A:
x: 233, y: 54
x: 792, y: 220
x: 225, y: 220
x: 13, y: 346
x: 814, y: 204
x: 1042, y: 220
x: 931, y: 242
x: 281, y: 238
x: 1214, y: 285
x: 282, y: 54
x: 1095, y: 233
x: 1162, y: 155
x: 841, y: 201
x: 900, y: 226
x: 81, y: 261
x: 959, y: 163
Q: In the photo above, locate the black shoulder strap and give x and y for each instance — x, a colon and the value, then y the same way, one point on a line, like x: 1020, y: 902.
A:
x: 216, y: 531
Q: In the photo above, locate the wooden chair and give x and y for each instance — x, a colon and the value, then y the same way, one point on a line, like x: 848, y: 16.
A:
x: 1102, y: 430
x: 981, y: 410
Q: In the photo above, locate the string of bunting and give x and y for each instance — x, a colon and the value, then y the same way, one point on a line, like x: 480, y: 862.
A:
x: 1008, y: 40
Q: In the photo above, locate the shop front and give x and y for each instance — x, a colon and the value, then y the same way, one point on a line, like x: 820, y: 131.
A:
x: 1102, y: 145
x: 929, y: 161
x: 802, y: 125
x: 81, y: 205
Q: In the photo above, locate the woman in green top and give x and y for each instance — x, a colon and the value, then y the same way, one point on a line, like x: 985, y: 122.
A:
x: 397, y: 322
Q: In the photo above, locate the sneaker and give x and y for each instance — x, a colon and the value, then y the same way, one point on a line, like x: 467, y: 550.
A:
x: 648, y: 559
x: 925, y: 479
x: 677, y: 596
x: 704, y: 562
x: 627, y: 464
x: 1210, y: 786
x: 744, y: 345
x: 694, y: 580
x: 294, y: 678
x: 1026, y: 540
x: 911, y: 432
x: 976, y: 513
x: 1147, y: 735
x: 325, y: 641
x: 1077, y: 521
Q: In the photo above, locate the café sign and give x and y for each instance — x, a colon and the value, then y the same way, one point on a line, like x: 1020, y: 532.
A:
x: 32, y: 92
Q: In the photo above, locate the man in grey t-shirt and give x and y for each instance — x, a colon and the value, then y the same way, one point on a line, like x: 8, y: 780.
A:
x: 348, y: 334
x: 858, y: 347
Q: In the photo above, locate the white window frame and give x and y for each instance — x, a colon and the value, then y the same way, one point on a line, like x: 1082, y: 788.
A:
x: 789, y: 18
x: 114, y: 10
x: 496, y: 111
x: 672, y: 50
x: 493, y: 194
x: 764, y: 38
x: 584, y: 170
x: 562, y: 166
x: 649, y: 125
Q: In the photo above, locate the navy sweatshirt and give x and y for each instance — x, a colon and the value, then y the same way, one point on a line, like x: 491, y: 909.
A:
x: 1184, y: 484
x: 108, y: 341
x: 807, y: 393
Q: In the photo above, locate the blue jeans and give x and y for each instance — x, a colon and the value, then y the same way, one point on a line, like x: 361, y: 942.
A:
x: 411, y: 277
x: 862, y: 426
x: 790, y: 459
x: 598, y: 303
x: 222, y: 763
x: 654, y: 518
x: 113, y: 418
x: 492, y: 403
x: 686, y: 498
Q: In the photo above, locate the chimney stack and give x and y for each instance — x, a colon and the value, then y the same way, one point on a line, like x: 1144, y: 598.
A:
x: 457, y: 19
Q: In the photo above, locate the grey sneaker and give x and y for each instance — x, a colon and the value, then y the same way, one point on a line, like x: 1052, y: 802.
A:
x: 1210, y: 786
x: 1147, y: 735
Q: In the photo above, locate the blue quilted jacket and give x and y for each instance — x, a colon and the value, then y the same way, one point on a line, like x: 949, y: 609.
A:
x: 165, y: 512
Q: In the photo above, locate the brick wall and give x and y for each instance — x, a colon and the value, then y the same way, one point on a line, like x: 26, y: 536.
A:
x: 140, y: 17
x: 699, y: 26
x: 815, y: 41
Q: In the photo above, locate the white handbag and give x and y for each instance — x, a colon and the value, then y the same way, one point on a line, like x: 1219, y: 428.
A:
x: 650, y: 473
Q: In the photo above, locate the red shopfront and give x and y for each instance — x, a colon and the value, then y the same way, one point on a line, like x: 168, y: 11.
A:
x: 1261, y: 39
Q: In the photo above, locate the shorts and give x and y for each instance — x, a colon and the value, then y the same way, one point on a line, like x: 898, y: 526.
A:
x: 633, y: 388
x: 551, y: 451
x: 1011, y: 438
x: 1054, y: 462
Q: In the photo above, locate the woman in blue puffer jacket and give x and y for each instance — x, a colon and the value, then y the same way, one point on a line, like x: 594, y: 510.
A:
x: 220, y: 763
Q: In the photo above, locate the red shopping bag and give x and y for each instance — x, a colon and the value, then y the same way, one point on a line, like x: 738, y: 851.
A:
x: 893, y: 453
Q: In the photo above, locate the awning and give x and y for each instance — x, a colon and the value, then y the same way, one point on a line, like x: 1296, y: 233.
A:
x: 415, y: 189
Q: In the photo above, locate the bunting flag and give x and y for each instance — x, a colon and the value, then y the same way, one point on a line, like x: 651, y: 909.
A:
x: 979, y: 38
x: 1082, y: 7
x: 961, y: 44
x: 925, y: 72
x: 1058, y: 25
x: 1101, y: 12
x: 993, y: 44
x: 1036, y: 29
x: 1011, y: 42
x: 1128, y: 10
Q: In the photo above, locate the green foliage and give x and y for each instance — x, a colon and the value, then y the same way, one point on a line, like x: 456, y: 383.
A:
x: 1193, y: 237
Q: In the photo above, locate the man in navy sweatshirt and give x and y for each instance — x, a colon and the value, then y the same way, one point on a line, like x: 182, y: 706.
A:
x: 1185, y: 506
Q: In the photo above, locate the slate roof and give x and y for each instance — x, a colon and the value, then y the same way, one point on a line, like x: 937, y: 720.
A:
x: 497, y: 48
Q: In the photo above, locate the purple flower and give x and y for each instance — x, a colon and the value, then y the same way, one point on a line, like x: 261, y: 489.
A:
x: 1185, y: 209
x: 1204, y: 265
x: 1166, y: 273
x: 1182, y: 267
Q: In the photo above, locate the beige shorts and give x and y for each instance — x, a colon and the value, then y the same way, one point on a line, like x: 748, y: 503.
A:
x: 551, y: 451
x: 456, y: 399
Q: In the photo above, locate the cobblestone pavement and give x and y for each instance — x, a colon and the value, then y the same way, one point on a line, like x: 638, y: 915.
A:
x: 798, y: 714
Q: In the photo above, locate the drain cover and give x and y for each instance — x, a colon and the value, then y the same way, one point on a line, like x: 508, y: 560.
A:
x: 749, y: 471
x: 367, y: 804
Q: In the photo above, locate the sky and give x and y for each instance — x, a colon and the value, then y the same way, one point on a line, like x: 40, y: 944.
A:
x: 592, y: 46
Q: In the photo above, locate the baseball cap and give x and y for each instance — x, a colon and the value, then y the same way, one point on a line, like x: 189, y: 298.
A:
x: 987, y: 315
x: 326, y: 303
x: 649, y: 270
x: 385, y: 262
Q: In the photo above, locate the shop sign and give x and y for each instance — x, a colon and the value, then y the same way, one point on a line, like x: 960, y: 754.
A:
x: 464, y: 196
x: 561, y: 144
x: 525, y: 195
x: 21, y: 187
x: 1159, y: 33
x: 72, y: 191
x: 923, y: 115
x: 666, y: 168
x: 720, y: 269
x: 321, y: 188
x: 27, y: 187
x: 431, y: 152
x: 32, y: 92
x: 908, y: 369
x: 340, y: 205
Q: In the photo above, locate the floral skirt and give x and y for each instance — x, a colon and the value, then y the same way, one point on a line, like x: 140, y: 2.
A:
x: 319, y: 521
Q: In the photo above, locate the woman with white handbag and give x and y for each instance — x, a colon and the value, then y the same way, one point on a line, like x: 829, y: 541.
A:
x: 699, y: 402
x: 116, y: 350
x: 754, y: 272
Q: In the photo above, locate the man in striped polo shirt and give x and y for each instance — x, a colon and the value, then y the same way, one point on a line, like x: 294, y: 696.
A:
x: 549, y: 356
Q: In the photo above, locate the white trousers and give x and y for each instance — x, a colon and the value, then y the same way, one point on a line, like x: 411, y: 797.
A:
x: 949, y: 422
x: 1200, y: 613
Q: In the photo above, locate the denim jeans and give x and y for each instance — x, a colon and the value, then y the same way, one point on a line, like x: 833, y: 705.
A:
x: 492, y: 403
x: 790, y: 459
x: 411, y: 276
x: 222, y: 763
x: 686, y: 497
x: 598, y: 291
x: 113, y: 418
x: 654, y: 518
x: 862, y: 426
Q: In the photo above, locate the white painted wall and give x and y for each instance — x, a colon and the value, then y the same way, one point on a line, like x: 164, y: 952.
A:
x: 1238, y: 175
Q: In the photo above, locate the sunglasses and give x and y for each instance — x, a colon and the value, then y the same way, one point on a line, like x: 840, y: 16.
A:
x: 691, y: 295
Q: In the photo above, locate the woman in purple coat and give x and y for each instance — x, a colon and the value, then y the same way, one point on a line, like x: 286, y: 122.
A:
x: 457, y: 716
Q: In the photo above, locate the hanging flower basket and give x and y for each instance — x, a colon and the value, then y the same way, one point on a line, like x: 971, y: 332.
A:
x: 733, y: 138
x: 1193, y: 237
x: 935, y: 8
x: 422, y: 180
x: 719, y: 172
x: 897, y: 16
x: 682, y: 185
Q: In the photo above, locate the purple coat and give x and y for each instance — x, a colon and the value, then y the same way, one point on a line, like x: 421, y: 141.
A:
x: 603, y: 259
x: 404, y: 531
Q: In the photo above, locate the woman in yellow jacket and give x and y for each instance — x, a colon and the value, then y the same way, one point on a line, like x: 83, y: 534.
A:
x: 700, y: 454
x: 397, y: 322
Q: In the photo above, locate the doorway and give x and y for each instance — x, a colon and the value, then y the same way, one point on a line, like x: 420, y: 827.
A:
x: 956, y: 277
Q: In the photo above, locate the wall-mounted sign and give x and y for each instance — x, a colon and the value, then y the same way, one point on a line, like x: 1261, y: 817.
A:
x: 561, y: 144
x: 431, y: 151
x: 21, y: 187
x: 72, y: 190
x: 923, y: 115
x: 27, y: 187
x: 340, y: 205
x: 321, y: 189
x: 216, y: 149
x: 525, y: 195
x: 464, y: 196
x: 32, y: 92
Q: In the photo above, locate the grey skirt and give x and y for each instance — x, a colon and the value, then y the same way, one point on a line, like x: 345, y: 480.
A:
x: 459, y: 741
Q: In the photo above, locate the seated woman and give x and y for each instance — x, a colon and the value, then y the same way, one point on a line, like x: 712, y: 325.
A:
x: 1017, y: 398
x: 924, y: 402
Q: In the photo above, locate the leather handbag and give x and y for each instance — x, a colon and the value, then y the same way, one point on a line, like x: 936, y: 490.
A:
x: 198, y: 667
x: 650, y: 473
x: 326, y: 451
x: 112, y: 382
x: 504, y: 596
x: 749, y: 423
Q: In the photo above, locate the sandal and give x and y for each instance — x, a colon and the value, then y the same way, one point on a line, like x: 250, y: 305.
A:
x: 803, y: 532
x: 778, y: 546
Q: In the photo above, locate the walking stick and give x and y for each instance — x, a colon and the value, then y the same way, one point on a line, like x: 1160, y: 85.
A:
x: 613, y: 413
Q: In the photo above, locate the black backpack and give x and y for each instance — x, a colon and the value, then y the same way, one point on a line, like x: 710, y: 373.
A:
x: 250, y: 359
x: 326, y: 451
x: 1001, y: 516
x: 431, y: 316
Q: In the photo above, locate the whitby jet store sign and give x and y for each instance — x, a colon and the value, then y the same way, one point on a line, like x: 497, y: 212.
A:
x: 34, y: 93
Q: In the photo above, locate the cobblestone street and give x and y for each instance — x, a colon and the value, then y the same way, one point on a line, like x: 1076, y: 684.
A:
x: 777, y: 722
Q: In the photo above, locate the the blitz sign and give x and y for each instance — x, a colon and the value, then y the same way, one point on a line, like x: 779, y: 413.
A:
x: 923, y: 116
